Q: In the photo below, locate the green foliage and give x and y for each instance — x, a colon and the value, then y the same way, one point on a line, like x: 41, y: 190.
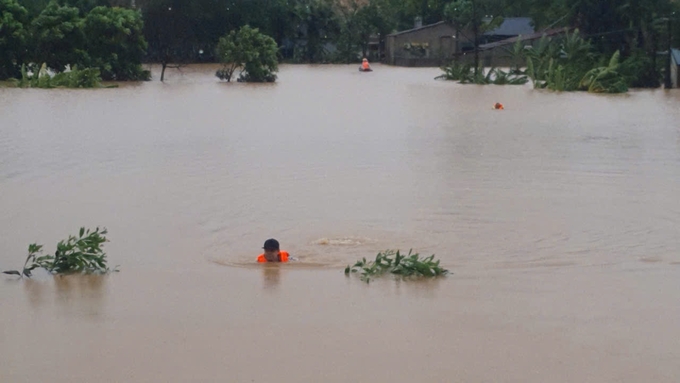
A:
x: 184, y: 31
x: 171, y: 28
x: 516, y: 54
x: 302, y: 28
x: 569, y: 64
x: 467, y: 13
x: 67, y: 33
x: 358, y: 20
x: 58, y: 37
x: 465, y: 74
x: 505, y: 78
x: 250, y: 51
x: 115, y: 43
x: 86, y: 6
x: 391, y: 262
x: 471, y: 14
x: 538, y: 58
x: 353, y: 36
x: 605, y: 79
x: 13, y: 37
x: 455, y: 72
x: 319, y: 21
x: 640, y: 71
x: 75, y: 78
x: 81, y: 254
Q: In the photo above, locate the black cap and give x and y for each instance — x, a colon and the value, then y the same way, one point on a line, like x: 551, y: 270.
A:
x: 271, y: 244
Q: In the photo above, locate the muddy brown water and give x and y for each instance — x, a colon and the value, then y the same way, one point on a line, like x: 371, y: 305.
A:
x: 558, y: 216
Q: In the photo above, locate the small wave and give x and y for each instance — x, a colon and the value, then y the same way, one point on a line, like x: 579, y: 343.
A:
x: 346, y: 241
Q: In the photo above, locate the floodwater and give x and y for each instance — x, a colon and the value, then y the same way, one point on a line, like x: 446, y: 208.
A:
x: 558, y: 216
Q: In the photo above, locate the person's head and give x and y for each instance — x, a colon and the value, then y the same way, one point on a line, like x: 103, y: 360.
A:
x: 365, y: 60
x: 271, y: 250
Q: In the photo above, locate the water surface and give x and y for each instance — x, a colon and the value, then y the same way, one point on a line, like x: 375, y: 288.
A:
x: 558, y: 217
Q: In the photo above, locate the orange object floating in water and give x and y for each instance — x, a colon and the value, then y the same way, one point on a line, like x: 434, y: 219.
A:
x: 498, y: 106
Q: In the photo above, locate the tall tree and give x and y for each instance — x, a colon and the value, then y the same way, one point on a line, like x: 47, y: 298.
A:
x: 13, y: 37
x: 473, y: 15
x: 58, y: 37
x: 115, y: 43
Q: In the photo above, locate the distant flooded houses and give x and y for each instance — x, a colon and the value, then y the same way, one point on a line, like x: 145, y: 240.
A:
x: 438, y: 44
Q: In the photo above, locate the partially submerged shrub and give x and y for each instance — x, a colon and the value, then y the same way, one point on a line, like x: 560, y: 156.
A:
x: 82, y: 254
x: 389, y: 261
x: 605, y: 79
x: 639, y: 71
x: 512, y: 78
x: 455, y: 72
x: 251, y: 52
x: 569, y: 64
x: 76, y: 78
x: 465, y: 74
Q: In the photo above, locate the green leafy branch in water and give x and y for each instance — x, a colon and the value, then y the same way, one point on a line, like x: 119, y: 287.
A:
x: 82, y: 254
x: 389, y: 261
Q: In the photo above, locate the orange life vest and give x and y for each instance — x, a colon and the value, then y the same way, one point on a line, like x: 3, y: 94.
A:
x: 283, y: 257
x: 365, y: 65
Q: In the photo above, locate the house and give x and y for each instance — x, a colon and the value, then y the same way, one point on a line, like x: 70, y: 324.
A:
x: 499, y: 53
x: 429, y: 45
x: 509, y: 28
x: 438, y: 44
x: 675, y: 68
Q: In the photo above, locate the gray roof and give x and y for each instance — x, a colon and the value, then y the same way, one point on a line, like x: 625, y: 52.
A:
x: 513, y: 26
x: 676, y: 56
x: 529, y: 37
x: 417, y: 29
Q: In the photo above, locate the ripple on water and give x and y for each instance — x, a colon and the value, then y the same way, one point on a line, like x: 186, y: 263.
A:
x: 345, y: 241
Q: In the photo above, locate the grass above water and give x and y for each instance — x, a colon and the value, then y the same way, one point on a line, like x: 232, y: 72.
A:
x: 395, y: 263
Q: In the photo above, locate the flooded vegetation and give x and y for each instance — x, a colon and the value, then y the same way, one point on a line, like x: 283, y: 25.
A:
x: 83, y: 254
x: 400, y: 265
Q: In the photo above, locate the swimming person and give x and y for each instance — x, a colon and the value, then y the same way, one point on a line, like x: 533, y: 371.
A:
x: 365, y: 66
x: 272, y: 252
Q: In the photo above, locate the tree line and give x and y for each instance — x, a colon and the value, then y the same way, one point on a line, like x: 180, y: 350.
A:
x: 116, y: 35
x: 69, y: 34
x: 194, y: 26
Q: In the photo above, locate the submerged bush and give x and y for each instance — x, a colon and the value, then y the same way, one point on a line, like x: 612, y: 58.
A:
x: 82, y: 254
x: 76, y: 78
x: 389, y: 261
x: 455, y: 72
x: 605, y: 79
x: 251, y: 52
x: 639, y: 71
x: 465, y: 74
x: 570, y: 64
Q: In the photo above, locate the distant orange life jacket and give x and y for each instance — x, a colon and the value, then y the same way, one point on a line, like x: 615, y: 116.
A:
x: 365, y: 65
x: 283, y: 257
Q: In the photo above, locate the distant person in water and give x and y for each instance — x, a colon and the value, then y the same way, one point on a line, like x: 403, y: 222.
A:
x: 365, y: 65
x: 272, y: 252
